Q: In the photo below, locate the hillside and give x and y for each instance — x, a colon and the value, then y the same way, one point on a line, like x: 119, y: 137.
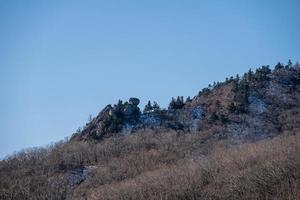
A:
x: 238, y: 139
x: 260, y: 104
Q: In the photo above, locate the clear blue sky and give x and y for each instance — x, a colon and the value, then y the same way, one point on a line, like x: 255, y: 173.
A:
x: 63, y: 60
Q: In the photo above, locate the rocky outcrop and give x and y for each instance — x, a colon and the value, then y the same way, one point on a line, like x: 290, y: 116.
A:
x: 112, y: 119
x: 77, y: 176
x: 131, y: 114
x: 245, y: 107
x: 134, y: 101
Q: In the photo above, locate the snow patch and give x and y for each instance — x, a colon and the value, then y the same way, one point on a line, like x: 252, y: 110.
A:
x: 77, y: 176
x: 256, y: 105
x: 197, y: 113
x: 127, y: 128
x: 150, y: 120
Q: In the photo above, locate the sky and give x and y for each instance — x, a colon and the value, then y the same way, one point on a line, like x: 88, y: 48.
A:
x: 61, y: 60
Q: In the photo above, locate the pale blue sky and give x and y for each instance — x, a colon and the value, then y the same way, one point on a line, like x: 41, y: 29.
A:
x: 63, y: 60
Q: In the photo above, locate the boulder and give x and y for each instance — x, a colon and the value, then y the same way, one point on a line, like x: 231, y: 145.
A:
x: 131, y: 113
x: 134, y: 101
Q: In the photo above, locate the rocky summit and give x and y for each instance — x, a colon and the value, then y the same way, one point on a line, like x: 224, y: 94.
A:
x: 259, y: 104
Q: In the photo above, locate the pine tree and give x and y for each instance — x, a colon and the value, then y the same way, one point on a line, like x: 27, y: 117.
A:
x: 172, y: 104
x: 176, y: 103
x: 261, y: 74
x: 155, y: 106
x: 289, y: 65
x: 235, y: 86
x: 90, y: 118
x: 278, y: 66
x: 249, y: 76
x: 148, y: 107
x: 188, y: 99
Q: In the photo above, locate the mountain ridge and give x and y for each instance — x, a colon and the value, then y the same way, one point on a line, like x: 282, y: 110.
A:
x: 225, y: 104
x: 238, y: 139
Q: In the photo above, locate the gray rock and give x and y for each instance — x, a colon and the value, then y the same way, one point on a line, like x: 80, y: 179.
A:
x: 134, y: 101
x: 150, y: 120
x: 131, y: 113
x: 77, y: 176
x: 127, y: 128
x: 197, y: 113
x: 256, y: 105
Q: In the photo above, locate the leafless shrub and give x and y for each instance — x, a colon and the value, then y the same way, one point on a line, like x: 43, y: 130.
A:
x: 149, y: 165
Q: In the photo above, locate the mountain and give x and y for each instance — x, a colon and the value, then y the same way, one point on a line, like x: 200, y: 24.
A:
x: 238, y: 139
x: 260, y: 104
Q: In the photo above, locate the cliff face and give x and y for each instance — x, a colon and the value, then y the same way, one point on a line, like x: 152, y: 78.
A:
x: 257, y: 105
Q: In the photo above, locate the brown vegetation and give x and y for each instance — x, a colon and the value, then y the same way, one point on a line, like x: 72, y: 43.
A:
x: 149, y: 165
x: 235, y: 140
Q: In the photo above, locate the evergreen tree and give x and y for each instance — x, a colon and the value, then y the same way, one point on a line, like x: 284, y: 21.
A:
x: 180, y: 102
x: 176, y: 103
x: 155, y: 106
x: 118, y: 109
x: 205, y: 91
x: 261, y: 74
x: 235, y: 86
x: 148, y: 107
x: 172, y: 104
x: 249, y: 76
x: 188, y: 99
x: 90, y: 118
x: 289, y: 65
x: 278, y: 66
